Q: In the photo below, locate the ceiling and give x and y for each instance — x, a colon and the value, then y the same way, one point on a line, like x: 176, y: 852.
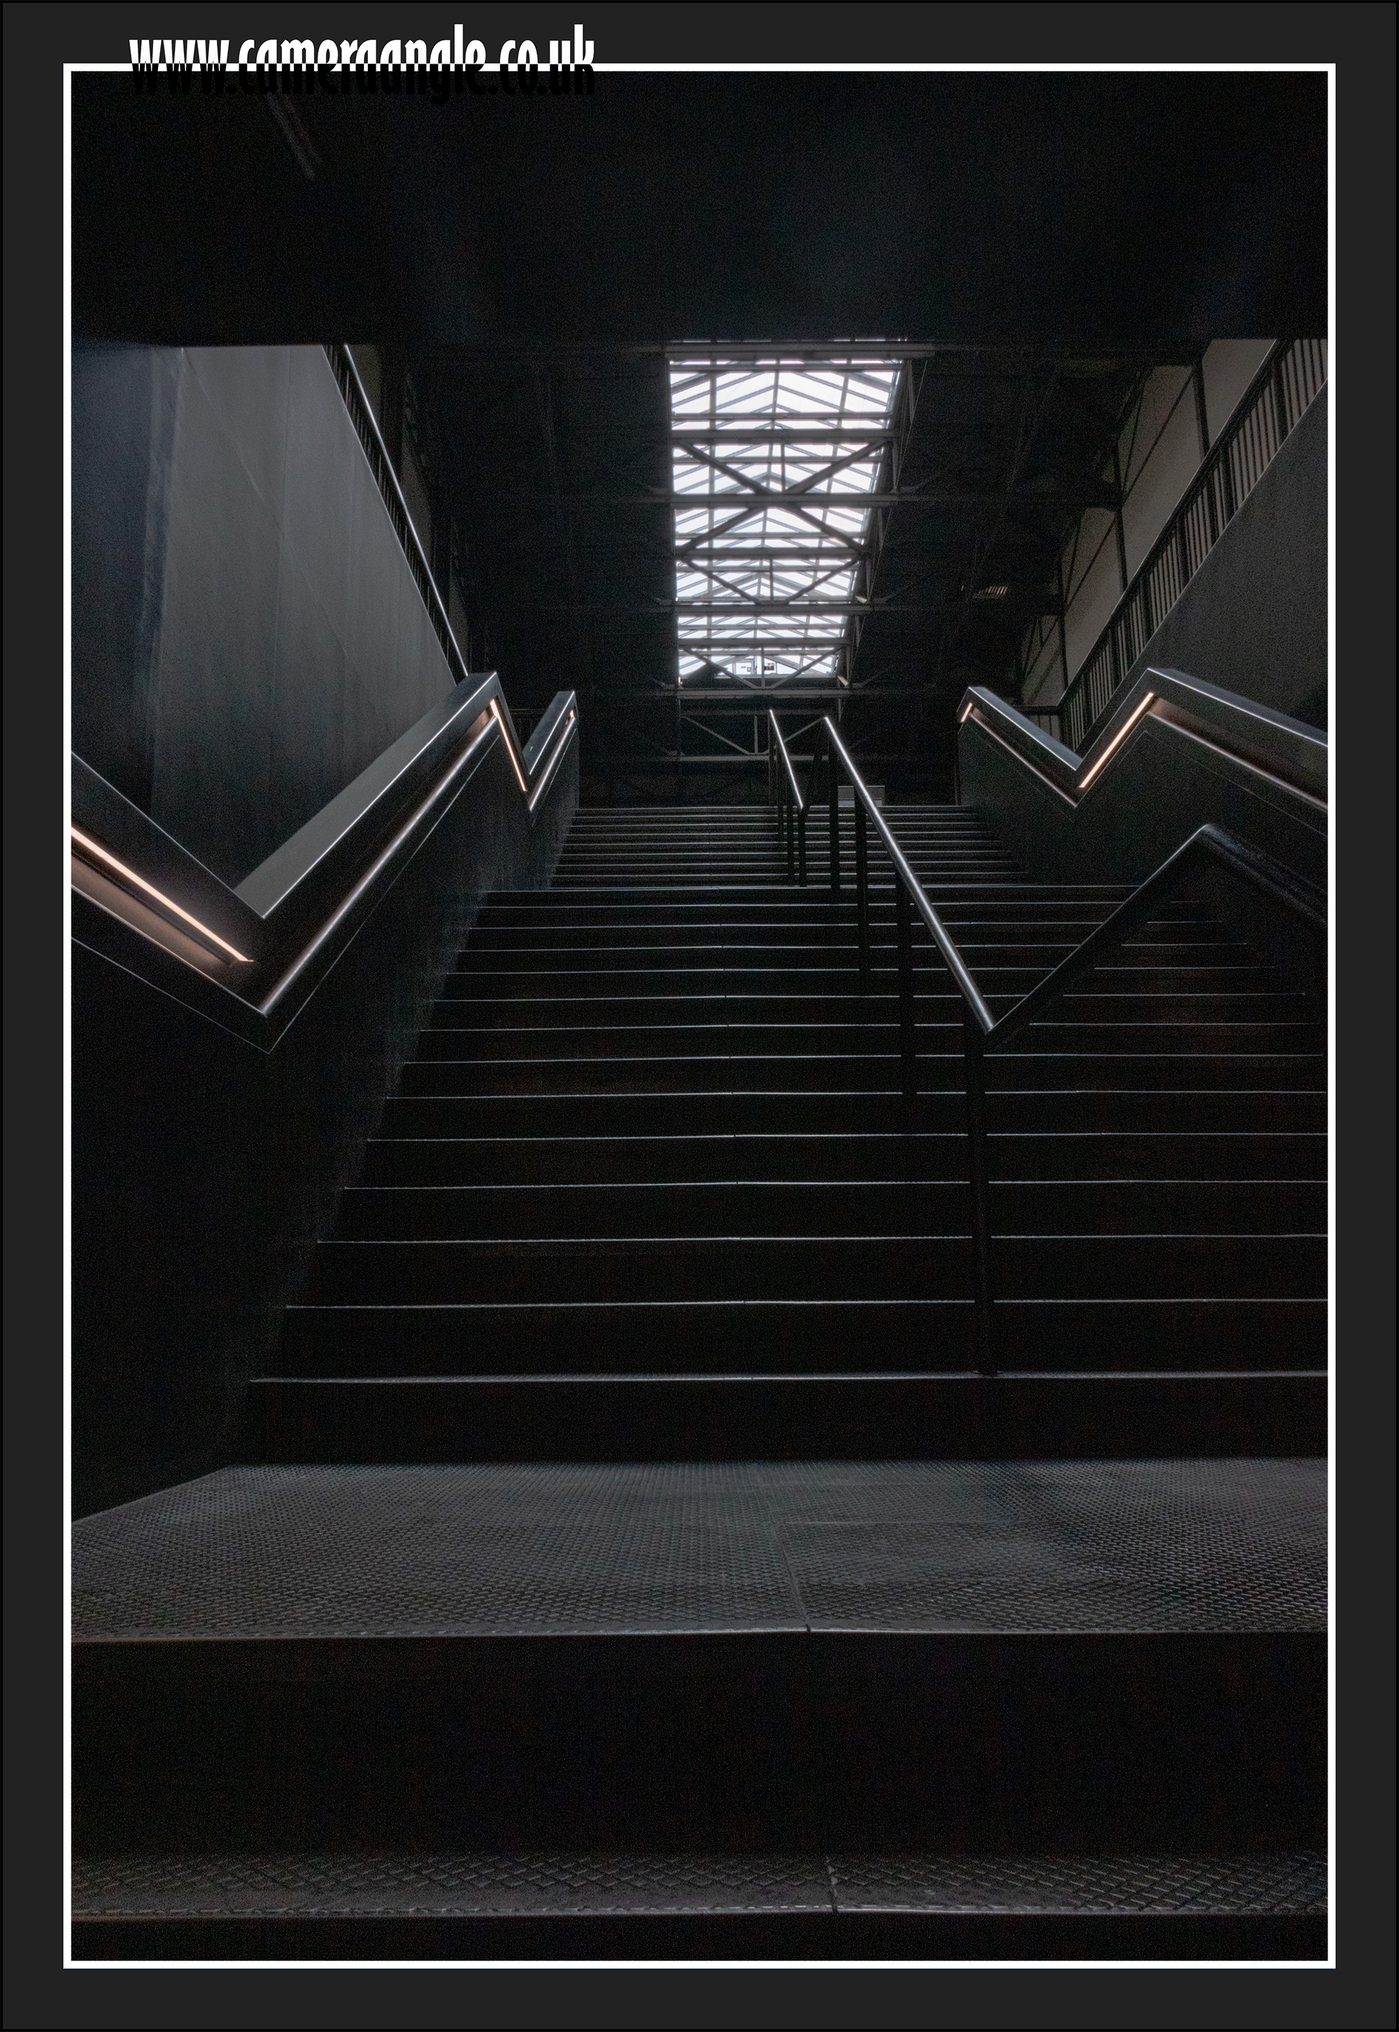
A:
x: 559, y: 475
x: 1020, y: 247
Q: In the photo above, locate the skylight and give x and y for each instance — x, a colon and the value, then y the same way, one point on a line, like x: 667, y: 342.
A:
x: 776, y: 454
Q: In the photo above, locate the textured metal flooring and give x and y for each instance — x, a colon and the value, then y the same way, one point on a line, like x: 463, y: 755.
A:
x: 540, y: 1885
x: 483, y: 1550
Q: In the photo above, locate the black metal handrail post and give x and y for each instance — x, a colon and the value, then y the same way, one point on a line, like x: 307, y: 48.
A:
x: 979, y: 1182
x: 862, y: 892
x: 982, y: 1032
x: 791, y: 806
x: 833, y: 782
x: 908, y: 1021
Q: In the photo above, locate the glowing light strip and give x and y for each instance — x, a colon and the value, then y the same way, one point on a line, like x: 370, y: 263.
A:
x: 1118, y: 739
x: 510, y: 746
x: 129, y: 875
x: 546, y: 774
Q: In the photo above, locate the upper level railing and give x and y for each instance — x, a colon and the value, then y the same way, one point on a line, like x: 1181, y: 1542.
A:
x: 381, y: 465
x: 982, y: 1032
x: 1283, y: 388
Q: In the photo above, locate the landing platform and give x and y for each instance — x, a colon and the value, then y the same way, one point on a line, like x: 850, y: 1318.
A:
x: 597, y: 1549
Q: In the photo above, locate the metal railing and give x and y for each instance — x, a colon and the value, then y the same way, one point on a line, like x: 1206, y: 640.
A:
x: 982, y: 1031
x: 381, y: 466
x: 251, y: 956
x: 1274, y: 402
x: 785, y: 792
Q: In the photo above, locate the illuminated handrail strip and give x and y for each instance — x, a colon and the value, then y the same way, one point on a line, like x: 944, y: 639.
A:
x: 556, y: 754
x: 1280, y: 751
x: 1144, y: 705
x: 515, y: 762
x: 289, y: 953
x: 90, y: 847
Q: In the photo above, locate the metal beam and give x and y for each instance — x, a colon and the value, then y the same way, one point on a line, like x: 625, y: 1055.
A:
x: 1097, y: 497
x: 713, y: 697
x: 713, y: 353
x: 718, y: 610
x: 784, y: 434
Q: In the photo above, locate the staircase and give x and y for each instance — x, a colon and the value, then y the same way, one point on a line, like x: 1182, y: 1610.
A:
x: 628, y: 1558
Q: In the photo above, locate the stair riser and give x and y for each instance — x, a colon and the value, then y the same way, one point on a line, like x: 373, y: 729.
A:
x: 1066, y: 1207
x: 938, y: 1032
x: 797, y: 1741
x: 600, y: 1161
x: 715, y: 1418
x: 1024, y: 1111
x: 471, y: 1016
x: 762, y: 1936
x: 823, y: 1073
x: 931, y: 1266
x: 797, y: 1338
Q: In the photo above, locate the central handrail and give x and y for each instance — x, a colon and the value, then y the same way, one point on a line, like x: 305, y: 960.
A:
x: 942, y: 937
x: 982, y: 1031
x: 791, y: 805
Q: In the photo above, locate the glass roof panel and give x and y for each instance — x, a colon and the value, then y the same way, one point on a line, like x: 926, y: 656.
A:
x: 766, y: 559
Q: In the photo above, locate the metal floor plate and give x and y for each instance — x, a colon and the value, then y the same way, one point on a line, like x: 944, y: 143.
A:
x: 367, y: 1886
x: 1081, y: 1884
x: 480, y: 1550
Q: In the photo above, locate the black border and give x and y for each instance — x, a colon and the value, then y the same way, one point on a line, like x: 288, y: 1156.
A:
x: 1360, y: 39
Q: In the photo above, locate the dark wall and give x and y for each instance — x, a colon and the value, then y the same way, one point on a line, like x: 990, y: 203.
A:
x: 247, y: 635
x: 1253, y: 618
x: 204, y: 1168
x: 247, y: 638
x: 123, y: 428
x: 1157, y: 790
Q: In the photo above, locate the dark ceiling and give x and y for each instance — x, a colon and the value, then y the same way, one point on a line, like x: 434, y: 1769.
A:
x: 1036, y: 241
x: 557, y: 471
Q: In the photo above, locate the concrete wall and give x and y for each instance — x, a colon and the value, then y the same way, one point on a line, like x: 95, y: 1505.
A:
x: 1253, y: 618
x: 247, y: 635
x: 1160, y: 451
x: 1158, y: 788
x: 205, y: 1169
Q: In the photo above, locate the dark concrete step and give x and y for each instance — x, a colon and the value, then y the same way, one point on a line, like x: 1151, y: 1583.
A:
x: 805, y: 970
x: 734, y: 1264
x: 678, y: 1071
x: 953, y: 1415
x: 835, y: 1207
x: 1024, y: 1110
x: 940, y: 1029
x: 597, y: 1161
x: 799, y: 1336
x: 557, y: 1005
x: 793, y: 903
x: 684, y: 1906
x: 756, y: 1936
x: 723, y: 1655
x: 762, y: 932
x: 871, y: 1071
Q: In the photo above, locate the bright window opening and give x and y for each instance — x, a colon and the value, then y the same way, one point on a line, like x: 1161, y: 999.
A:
x: 776, y: 454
